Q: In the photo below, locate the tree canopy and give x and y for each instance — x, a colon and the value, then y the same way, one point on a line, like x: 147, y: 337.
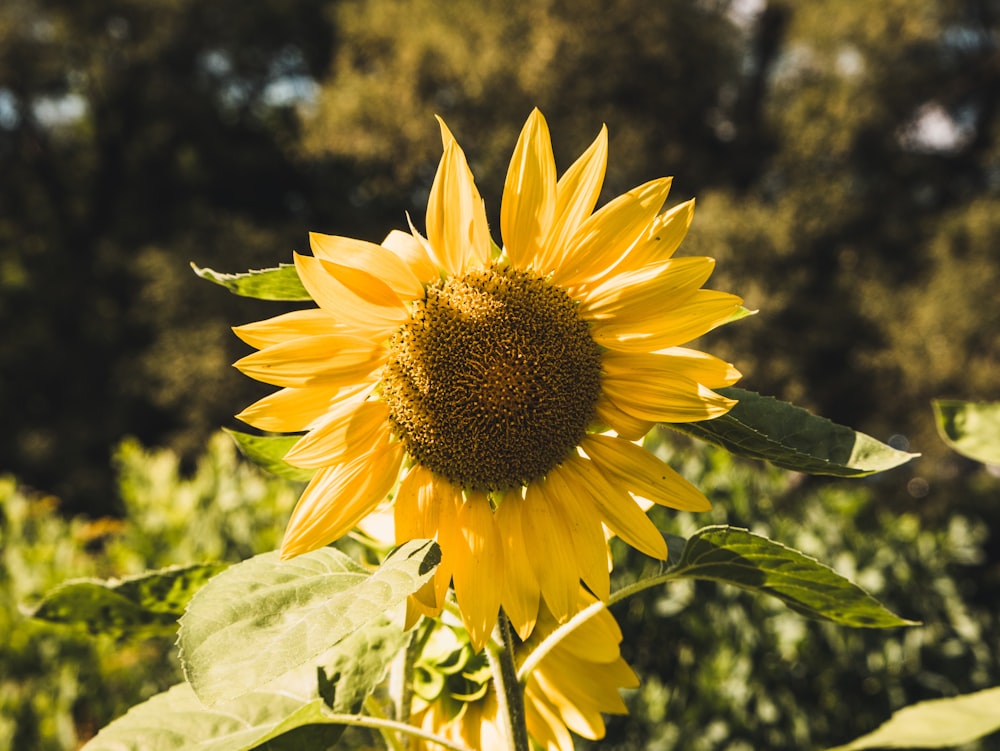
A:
x: 844, y: 157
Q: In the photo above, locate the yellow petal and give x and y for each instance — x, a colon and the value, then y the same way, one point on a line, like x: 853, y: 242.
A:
x: 338, y: 497
x: 550, y: 547
x: 643, y: 474
x: 595, y: 640
x: 642, y: 293
x: 574, y: 698
x: 623, y: 424
x: 696, y: 315
x: 456, y: 219
x: 520, y: 593
x: 368, y: 317
x: 350, y: 429
x: 281, y: 328
x: 663, y: 238
x: 675, y: 361
x: 415, y: 516
x: 291, y: 410
x: 331, y: 360
x: 449, y: 500
x: 377, y: 261
x: 413, y: 253
x: 576, y: 195
x: 604, y: 238
x: 619, y: 511
x: 664, y: 398
x: 574, y: 499
x: 415, y: 509
x: 529, y: 193
x: 545, y: 726
x: 479, y: 571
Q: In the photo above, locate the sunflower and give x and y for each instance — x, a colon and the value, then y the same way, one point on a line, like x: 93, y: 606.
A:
x: 503, y: 389
x: 569, y: 689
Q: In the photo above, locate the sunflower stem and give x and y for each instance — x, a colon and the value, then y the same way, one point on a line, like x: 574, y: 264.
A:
x: 510, y: 692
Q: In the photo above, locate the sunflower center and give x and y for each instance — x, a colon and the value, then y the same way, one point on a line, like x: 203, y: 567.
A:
x: 494, y: 379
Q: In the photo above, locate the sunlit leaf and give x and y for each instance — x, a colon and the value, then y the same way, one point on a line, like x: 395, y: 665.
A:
x: 279, y: 283
x: 762, y: 427
x: 736, y: 556
x: 268, y: 452
x: 938, y: 723
x: 352, y: 669
x: 145, y: 605
x: 306, y: 709
x: 972, y: 429
x: 264, y: 617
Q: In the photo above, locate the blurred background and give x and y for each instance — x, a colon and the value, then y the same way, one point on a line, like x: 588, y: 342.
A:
x: 846, y: 163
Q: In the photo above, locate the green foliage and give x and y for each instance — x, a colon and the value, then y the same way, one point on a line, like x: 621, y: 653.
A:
x: 721, y: 669
x: 58, y: 684
x: 176, y: 719
x: 265, y: 617
x: 286, y: 716
x: 225, y: 510
x: 148, y: 604
x: 939, y: 723
x: 787, y: 436
x: 972, y: 430
x: 740, y: 669
x: 735, y: 556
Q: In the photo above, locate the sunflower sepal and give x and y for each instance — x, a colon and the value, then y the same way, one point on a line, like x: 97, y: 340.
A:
x: 280, y: 283
x: 268, y: 452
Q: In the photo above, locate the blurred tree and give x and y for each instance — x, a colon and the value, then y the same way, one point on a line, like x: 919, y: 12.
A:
x: 653, y: 72
x: 135, y: 137
x: 844, y: 157
x: 859, y: 228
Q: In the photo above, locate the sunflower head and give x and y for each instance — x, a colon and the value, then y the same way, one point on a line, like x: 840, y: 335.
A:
x: 493, y: 380
x: 500, y: 391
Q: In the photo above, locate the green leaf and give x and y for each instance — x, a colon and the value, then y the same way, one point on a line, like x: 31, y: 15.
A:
x: 146, y: 605
x: 264, y: 617
x: 972, y: 429
x: 268, y: 452
x: 938, y: 723
x: 176, y: 720
x: 736, y: 556
x: 280, y: 283
x: 292, y: 716
x: 298, y: 713
x: 351, y: 670
x: 761, y: 427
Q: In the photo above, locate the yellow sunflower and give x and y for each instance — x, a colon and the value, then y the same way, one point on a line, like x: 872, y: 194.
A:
x: 506, y: 386
x: 567, y: 691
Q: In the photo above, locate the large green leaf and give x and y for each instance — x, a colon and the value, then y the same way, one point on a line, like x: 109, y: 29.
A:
x: 280, y: 283
x: 268, y: 452
x: 739, y: 557
x: 938, y: 723
x: 761, y: 427
x: 146, y: 605
x: 264, y: 617
x: 972, y: 429
x: 298, y: 712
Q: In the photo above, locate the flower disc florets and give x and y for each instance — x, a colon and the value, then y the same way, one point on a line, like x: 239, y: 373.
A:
x: 493, y: 381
